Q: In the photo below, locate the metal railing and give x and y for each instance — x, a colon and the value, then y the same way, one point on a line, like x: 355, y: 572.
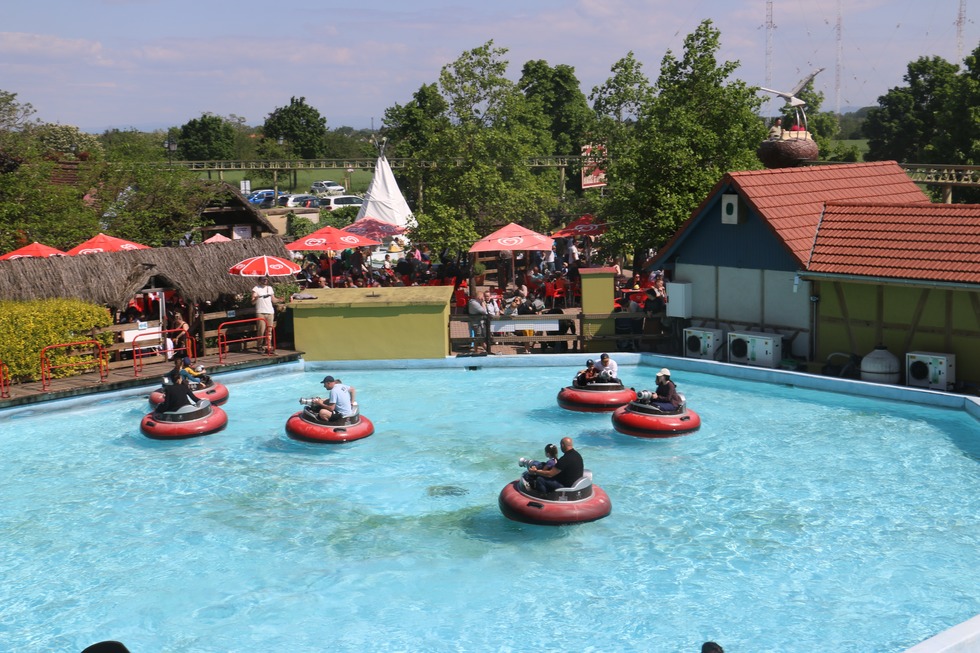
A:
x: 189, y: 349
x: 224, y: 340
x: 4, y: 381
x: 98, y: 360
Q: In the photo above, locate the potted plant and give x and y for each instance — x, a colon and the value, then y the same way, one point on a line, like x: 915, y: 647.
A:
x: 479, y: 273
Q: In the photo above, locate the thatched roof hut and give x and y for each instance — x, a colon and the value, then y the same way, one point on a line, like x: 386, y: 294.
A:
x: 198, y: 273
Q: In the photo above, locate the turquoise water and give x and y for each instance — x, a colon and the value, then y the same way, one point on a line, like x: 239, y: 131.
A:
x: 793, y: 520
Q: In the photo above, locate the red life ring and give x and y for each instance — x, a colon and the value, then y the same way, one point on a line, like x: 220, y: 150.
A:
x: 595, y: 397
x: 641, y: 421
x: 529, y: 507
x: 216, y: 393
x: 301, y: 426
x: 177, y: 426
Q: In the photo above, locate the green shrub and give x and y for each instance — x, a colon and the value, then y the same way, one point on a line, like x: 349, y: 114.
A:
x: 29, y: 327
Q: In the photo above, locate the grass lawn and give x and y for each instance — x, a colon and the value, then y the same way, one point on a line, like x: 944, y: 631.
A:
x: 359, y: 179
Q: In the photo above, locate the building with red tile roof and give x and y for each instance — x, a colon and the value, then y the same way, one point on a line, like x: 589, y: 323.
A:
x: 835, y: 258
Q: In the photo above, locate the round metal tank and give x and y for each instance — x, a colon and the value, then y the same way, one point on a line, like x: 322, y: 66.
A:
x: 880, y: 366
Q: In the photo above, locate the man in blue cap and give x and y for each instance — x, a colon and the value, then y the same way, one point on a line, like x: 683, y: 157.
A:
x: 339, y: 403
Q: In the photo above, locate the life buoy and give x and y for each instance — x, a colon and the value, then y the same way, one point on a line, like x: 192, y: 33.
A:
x: 304, y: 426
x: 192, y: 422
x: 595, y: 397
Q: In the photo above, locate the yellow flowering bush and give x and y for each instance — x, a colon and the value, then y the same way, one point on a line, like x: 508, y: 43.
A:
x: 26, y: 328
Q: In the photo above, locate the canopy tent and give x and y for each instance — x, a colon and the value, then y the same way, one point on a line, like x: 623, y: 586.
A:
x: 383, y: 201
x: 583, y: 226
x: 104, y: 243
x: 34, y: 250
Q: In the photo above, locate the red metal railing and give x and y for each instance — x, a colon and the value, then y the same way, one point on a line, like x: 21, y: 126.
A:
x: 190, y: 349
x: 224, y: 341
x: 4, y: 381
x: 98, y: 360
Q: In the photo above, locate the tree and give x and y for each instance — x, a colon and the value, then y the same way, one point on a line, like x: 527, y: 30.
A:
x: 300, y: 125
x: 908, y: 121
x: 479, y: 130
x: 206, y: 138
x: 558, y: 95
x: 698, y: 126
x: 66, y: 142
x: 133, y: 145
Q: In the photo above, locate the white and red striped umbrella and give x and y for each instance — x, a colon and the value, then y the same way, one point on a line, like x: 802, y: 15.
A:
x: 264, y: 266
x: 330, y: 239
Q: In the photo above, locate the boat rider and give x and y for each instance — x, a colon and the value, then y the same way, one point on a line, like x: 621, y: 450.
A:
x: 588, y: 375
x: 666, y: 398
x: 608, y: 368
x: 176, y: 395
x: 340, y: 403
x: 569, y: 469
x: 193, y: 375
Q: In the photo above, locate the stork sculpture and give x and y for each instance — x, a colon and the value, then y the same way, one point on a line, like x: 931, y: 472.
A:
x: 791, y: 97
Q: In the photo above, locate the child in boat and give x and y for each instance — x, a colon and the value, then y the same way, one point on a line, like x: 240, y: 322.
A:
x: 551, y: 451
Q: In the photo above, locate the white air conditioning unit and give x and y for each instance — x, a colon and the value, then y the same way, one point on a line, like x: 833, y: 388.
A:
x: 755, y: 348
x: 926, y: 369
x: 729, y: 208
x: 704, y: 343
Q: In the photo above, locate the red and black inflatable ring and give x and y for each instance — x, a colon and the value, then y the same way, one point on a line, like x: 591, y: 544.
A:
x: 308, y: 431
x: 216, y: 393
x: 595, y: 397
x: 162, y: 427
x: 518, y: 506
x: 633, y: 420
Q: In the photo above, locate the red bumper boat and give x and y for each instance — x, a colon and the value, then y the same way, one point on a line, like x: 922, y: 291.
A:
x: 307, y: 426
x: 583, y: 502
x: 190, y: 421
x: 643, y: 420
x: 599, y: 397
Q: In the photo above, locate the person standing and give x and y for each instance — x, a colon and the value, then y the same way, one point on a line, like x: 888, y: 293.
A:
x: 264, y: 299
x: 569, y: 469
x: 478, y: 309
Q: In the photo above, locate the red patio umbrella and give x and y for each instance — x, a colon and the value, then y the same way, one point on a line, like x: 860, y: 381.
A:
x: 104, y: 243
x: 264, y: 266
x: 513, y: 238
x: 330, y: 239
x: 34, y: 250
x: 374, y: 228
x: 218, y: 238
x: 583, y: 226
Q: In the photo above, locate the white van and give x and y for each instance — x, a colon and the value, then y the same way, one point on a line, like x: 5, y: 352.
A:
x: 340, y: 201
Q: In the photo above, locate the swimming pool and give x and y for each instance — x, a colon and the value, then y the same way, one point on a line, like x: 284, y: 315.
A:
x: 792, y: 519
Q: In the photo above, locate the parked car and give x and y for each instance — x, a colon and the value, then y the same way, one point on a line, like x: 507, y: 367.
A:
x: 327, y: 187
x: 296, y: 200
x: 257, y: 196
x: 340, y: 201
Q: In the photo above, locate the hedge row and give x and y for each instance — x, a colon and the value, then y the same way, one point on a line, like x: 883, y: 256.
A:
x: 28, y: 327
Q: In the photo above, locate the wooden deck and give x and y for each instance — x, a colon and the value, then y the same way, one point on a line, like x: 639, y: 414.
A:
x: 123, y: 377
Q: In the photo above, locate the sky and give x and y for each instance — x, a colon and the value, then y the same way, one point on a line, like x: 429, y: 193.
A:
x: 153, y: 64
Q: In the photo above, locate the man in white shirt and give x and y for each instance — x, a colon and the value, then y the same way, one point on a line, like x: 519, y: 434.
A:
x: 264, y: 299
x: 609, y: 366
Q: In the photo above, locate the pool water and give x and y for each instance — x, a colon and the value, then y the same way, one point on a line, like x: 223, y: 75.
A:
x: 793, y: 520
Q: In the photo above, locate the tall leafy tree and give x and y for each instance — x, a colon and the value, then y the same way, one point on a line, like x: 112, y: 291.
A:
x: 206, y: 138
x: 558, y: 94
x: 132, y: 145
x: 909, y: 120
x: 479, y: 130
x: 700, y: 124
x: 300, y: 126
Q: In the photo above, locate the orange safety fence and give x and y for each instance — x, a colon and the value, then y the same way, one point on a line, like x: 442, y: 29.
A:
x: 224, y: 340
x: 189, y: 349
x: 4, y: 381
x: 98, y: 359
